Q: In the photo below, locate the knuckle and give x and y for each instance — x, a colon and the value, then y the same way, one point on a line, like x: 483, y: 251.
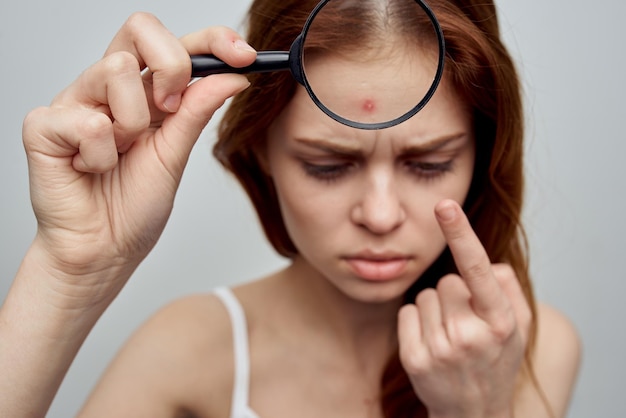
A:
x: 461, y: 333
x: 478, y: 269
x: 456, y: 235
x: 34, y: 114
x: 214, y: 35
x: 143, y: 120
x: 139, y: 121
x: 503, y: 327
x: 95, y: 125
x: 413, y: 362
x: 121, y: 62
x: 33, y: 117
x: 222, y: 31
x: 468, y: 337
x: 414, y: 359
x: 171, y: 66
x: 31, y: 121
x: 138, y: 21
x: 442, y: 351
x: 504, y: 272
x: 504, y: 268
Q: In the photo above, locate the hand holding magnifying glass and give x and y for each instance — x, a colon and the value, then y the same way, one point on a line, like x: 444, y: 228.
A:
x: 345, y: 83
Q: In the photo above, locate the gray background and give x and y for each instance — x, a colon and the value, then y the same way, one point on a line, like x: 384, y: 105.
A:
x: 571, y: 58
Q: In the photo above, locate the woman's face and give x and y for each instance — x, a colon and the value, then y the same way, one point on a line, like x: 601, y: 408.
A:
x: 357, y: 204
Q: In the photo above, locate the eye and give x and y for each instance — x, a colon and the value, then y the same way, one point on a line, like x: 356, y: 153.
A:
x: 326, y: 172
x: 429, y: 170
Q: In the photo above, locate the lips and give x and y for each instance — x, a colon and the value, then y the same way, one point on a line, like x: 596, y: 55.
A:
x: 379, y: 267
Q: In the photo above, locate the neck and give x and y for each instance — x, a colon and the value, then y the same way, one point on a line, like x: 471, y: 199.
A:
x: 349, y: 323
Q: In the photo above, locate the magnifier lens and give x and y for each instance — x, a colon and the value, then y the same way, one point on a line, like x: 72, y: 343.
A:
x: 370, y: 63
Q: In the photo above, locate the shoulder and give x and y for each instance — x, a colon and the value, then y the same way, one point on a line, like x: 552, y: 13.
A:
x: 558, y: 349
x: 202, y: 318
x: 556, y: 360
x: 179, y: 359
x: 195, y: 328
x: 557, y: 337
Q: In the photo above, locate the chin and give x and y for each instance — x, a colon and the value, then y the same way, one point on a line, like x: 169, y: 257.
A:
x: 378, y: 292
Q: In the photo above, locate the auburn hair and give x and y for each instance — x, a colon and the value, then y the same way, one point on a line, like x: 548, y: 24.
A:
x: 483, y: 75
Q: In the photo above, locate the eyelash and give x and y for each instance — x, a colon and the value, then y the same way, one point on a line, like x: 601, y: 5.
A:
x: 429, y: 170
x: 326, y: 172
x: 332, y: 172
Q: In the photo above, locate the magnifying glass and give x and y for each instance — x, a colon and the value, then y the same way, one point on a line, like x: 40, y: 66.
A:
x: 369, y: 67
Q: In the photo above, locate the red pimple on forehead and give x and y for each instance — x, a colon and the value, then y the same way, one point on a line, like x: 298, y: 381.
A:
x: 369, y: 105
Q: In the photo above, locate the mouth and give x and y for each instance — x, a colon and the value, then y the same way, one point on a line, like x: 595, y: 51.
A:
x: 378, y: 267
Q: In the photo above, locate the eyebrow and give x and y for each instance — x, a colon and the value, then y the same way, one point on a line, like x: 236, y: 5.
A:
x: 434, y: 145
x: 355, y: 151
x: 330, y: 146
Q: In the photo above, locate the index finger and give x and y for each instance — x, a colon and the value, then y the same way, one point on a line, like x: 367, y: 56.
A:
x: 145, y: 37
x: 471, y: 259
x: 222, y: 42
x: 167, y: 57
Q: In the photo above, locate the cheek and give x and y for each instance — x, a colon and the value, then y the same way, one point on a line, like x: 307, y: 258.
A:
x: 421, y: 218
x: 456, y: 184
x: 422, y: 199
x: 300, y: 213
x: 310, y: 211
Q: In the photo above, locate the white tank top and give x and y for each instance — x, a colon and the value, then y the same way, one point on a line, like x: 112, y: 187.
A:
x: 239, y: 407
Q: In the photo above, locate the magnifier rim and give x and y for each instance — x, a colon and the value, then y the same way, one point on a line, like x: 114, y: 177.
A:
x: 377, y: 125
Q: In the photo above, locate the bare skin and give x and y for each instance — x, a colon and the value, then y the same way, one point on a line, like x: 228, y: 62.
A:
x: 90, y: 237
x: 326, y: 372
x: 112, y: 147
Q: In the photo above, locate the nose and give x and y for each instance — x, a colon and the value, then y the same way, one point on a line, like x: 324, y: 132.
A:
x: 379, y: 208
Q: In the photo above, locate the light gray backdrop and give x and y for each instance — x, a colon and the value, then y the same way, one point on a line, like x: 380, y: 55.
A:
x: 571, y: 56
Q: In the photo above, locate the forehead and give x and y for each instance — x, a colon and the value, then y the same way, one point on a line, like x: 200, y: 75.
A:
x: 445, y: 114
x: 371, y: 87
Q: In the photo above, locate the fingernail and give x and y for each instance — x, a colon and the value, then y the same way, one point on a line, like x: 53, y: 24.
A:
x: 446, y: 212
x: 243, y: 45
x: 172, y: 103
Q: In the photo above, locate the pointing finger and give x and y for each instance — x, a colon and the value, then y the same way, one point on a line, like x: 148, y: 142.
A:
x: 471, y: 259
x: 222, y: 42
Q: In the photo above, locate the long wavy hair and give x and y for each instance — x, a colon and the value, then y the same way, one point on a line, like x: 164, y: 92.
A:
x: 483, y: 75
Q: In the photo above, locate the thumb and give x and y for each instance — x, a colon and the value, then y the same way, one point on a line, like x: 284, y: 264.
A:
x: 180, y: 130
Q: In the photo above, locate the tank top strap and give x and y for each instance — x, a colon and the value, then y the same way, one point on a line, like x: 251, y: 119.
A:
x: 241, y: 354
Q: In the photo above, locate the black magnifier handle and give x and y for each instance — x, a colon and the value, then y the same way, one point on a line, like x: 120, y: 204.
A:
x: 266, y: 61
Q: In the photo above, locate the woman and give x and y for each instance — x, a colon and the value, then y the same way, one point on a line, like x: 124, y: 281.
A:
x: 394, y: 304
